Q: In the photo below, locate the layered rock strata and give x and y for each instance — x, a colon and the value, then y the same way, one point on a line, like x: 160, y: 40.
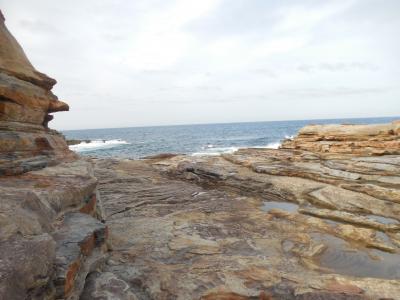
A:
x: 255, y: 224
x: 26, y: 104
x: 318, y: 219
x: 377, y: 139
x: 52, y: 233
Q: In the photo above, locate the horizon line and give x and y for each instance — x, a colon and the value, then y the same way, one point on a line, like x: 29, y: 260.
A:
x: 222, y: 123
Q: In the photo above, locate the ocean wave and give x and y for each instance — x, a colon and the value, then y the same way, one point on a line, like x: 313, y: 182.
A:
x: 216, y: 151
x: 208, y: 146
x: 97, y: 144
x: 228, y: 150
x: 275, y: 145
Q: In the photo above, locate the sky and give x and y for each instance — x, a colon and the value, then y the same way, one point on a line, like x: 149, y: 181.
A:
x: 122, y: 63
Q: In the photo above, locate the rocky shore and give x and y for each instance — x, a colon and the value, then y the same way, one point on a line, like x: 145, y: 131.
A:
x: 258, y: 223
x: 317, y: 219
x: 52, y: 233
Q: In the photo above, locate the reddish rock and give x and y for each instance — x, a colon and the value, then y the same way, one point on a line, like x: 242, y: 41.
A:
x: 26, y: 102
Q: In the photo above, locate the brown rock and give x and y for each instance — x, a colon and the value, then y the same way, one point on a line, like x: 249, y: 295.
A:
x: 51, y: 220
x: 26, y: 143
x: 14, y: 62
x: 348, y: 139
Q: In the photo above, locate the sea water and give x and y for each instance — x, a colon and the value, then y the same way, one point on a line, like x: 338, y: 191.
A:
x: 205, y: 139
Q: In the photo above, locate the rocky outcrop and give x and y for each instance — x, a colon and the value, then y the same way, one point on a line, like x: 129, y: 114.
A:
x: 26, y: 104
x: 318, y: 219
x: 52, y: 232
x: 255, y: 224
x: 348, y: 139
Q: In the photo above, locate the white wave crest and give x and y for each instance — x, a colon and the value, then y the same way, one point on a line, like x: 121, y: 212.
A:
x: 274, y: 145
x: 97, y: 144
x: 216, y: 151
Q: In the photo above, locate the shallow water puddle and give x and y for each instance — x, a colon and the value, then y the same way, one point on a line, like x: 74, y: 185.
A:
x: 286, y: 206
x: 355, y: 262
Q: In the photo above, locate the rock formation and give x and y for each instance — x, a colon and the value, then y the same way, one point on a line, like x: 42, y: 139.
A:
x: 317, y: 219
x: 348, y: 139
x: 255, y: 224
x: 51, y: 234
x: 26, y: 104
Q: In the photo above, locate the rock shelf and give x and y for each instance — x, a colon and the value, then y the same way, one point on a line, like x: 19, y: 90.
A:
x: 317, y: 219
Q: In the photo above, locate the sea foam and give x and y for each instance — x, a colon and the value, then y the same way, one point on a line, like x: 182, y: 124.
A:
x: 97, y: 144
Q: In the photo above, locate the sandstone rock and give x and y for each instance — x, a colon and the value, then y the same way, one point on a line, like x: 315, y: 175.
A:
x: 26, y: 266
x: 14, y: 62
x: 106, y: 286
x: 348, y: 139
x: 181, y: 227
x: 77, y: 238
x: 25, y: 103
x: 51, y: 230
x: 194, y: 228
x: 35, y: 211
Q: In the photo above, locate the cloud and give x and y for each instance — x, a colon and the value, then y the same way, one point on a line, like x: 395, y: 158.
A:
x: 333, y: 92
x: 338, y: 67
x: 154, y: 62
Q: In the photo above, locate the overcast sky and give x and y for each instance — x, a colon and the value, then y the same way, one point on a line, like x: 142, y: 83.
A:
x: 123, y: 63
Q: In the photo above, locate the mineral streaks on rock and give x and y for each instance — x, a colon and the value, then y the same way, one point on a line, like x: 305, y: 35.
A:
x: 26, y: 102
x: 186, y: 227
x: 42, y: 253
x: 52, y: 233
x: 348, y: 139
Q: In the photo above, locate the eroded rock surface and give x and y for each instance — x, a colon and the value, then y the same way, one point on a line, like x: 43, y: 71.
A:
x: 318, y: 219
x: 255, y: 224
x: 51, y: 230
x: 348, y: 139
x: 26, y: 104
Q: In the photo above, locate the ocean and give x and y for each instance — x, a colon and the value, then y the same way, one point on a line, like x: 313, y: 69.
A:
x: 204, y: 139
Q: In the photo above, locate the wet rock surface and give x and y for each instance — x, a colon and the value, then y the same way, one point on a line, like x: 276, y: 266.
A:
x: 255, y: 224
x: 318, y: 219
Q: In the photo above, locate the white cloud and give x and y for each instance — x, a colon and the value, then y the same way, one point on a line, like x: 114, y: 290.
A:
x: 154, y: 62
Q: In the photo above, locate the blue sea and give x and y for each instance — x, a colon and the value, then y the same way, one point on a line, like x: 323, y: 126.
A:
x: 205, y: 139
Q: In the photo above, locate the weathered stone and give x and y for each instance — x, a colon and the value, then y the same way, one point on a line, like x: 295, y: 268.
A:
x: 193, y: 227
x: 25, y: 104
x: 26, y: 267
x: 348, y: 139
x: 51, y: 235
x: 106, y: 286
x: 184, y: 227
x: 78, y: 237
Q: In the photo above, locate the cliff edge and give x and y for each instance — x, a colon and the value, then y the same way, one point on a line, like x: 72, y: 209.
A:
x: 26, y: 107
x: 51, y: 230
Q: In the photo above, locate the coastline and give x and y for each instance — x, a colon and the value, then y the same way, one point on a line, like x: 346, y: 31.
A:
x: 257, y: 223
x: 318, y: 218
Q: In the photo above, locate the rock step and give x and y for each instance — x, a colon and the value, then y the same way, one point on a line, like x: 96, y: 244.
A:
x: 81, y: 248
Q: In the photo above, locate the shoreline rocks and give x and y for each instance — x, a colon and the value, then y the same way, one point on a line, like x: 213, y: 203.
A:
x: 184, y: 227
x: 317, y: 219
x: 26, y: 105
x: 362, y: 140
x: 52, y: 231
